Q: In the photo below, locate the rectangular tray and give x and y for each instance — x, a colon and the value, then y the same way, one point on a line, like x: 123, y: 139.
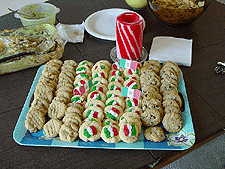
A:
x: 174, y: 141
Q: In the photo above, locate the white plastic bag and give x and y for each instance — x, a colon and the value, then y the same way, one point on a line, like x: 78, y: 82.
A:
x: 71, y: 33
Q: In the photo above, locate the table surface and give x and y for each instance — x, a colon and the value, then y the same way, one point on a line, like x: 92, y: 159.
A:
x: 204, y: 87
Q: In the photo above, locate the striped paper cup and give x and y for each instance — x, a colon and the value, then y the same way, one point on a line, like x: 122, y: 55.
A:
x: 129, y: 36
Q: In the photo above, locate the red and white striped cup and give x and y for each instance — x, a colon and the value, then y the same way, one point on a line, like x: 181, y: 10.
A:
x: 129, y: 36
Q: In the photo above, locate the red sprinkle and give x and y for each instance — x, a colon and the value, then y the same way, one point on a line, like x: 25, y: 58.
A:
x: 116, y: 110
x: 130, y: 83
x: 135, y: 102
x: 126, y: 131
x: 94, y: 130
x: 115, y: 131
x: 93, y: 94
x: 95, y: 114
x: 82, y: 82
x: 101, y: 89
x: 114, y: 67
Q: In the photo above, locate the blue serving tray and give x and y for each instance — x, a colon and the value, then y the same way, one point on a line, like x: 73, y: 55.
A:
x: 174, y: 141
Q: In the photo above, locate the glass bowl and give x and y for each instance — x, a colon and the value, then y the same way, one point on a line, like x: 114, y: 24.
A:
x: 176, y: 16
x: 114, y: 57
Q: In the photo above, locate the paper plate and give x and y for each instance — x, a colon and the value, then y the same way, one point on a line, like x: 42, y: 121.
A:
x: 102, y: 24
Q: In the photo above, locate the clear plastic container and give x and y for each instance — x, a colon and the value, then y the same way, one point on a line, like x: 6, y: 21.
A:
x: 40, y: 13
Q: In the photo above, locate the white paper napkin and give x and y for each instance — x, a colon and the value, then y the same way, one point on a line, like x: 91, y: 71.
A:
x: 71, y: 33
x: 178, y: 50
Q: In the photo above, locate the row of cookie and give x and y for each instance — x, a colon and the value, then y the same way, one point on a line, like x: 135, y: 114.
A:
x: 67, y: 128
x: 152, y: 100
x: 94, y: 114
x: 63, y: 91
x: 64, y: 116
x: 130, y: 122
x: 172, y: 102
x: 43, y: 96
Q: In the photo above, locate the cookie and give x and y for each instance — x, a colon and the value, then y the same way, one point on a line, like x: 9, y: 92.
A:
x: 168, y: 80
x: 100, y: 73
x: 83, y: 69
x: 76, y: 105
x: 48, y: 83
x: 98, y: 95
x: 147, y: 69
x: 168, y: 87
x: 100, y: 66
x: 52, y: 69
x: 131, y: 120
x: 42, y: 92
x: 131, y: 83
x: 70, y: 62
x: 150, y: 80
x: 167, y: 72
x: 105, y: 62
x: 57, y: 109
x: 150, y: 102
x: 73, y: 110
x: 92, y: 119
x: 153, y: 63
x: 94, y: 111
x: 128, y: 72
x: 72, y: 120
x: 50, y: 76
x: 54, y: 62
x: 99, y: 80
x: 109, y: 121
x: 84, y: 75
x: 116, y: 79
x: 78, y: 99
x: 38, y: 107
x: 86, y: 63
x: 67, y: 74
x: 113, y: 112
x: 133, y: 76
x: 99, y: 87
x: 52, y: 127
x: 172, y: 122
x: 131, y: 102
x: 148, y: 89
x: 64, y: 84
x: 135, y: 109
x: 116, y: 66
x: 173, y: 65
x: 128, y: 132
x: 81, y: 82
x: 42, y: 102
x: 94, y: 102
x: 153, y: 94
x: 170, y: 109
x: 155, y: 134
x: 90, y: 131
x: 35, y: 120
x: 116, y: 101
x: 65, y: 94
x: 110, y: 134
x: 67, y: 133
x: 170, y: 102
x: 173, y: 96
x: 116, y: 73
x: 115, y: 86
x: 151, y: 117
x: 70, y: 69
x: 64, y: 88
x: 114, y: 93
x: 130, y: 114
